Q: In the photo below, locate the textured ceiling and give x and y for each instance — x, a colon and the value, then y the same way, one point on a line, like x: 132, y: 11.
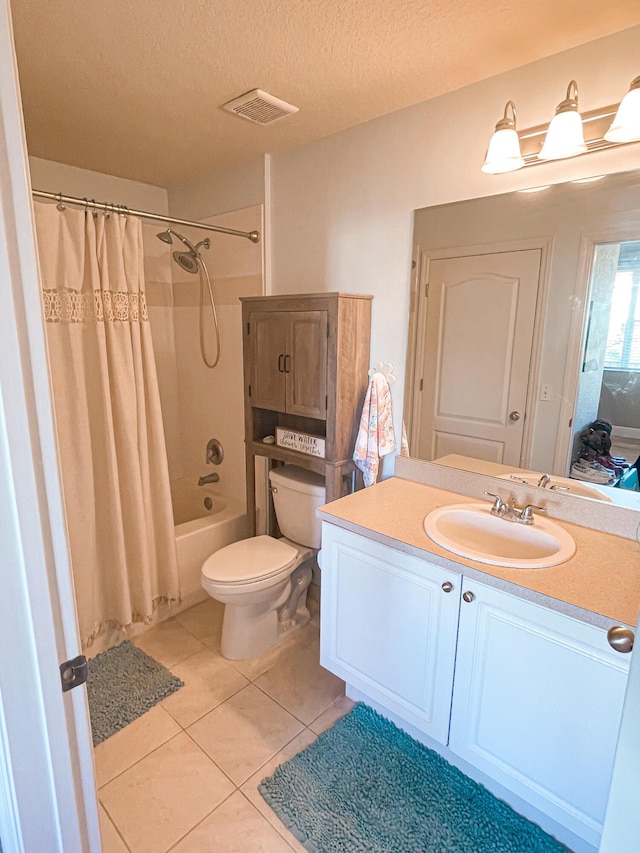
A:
x: 134, y: 88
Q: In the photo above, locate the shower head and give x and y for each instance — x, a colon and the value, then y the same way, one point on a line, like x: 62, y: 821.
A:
x: 168, y: 235
x: 188, y: 261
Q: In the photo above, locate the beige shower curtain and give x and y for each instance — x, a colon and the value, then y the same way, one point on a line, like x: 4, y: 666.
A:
x: 107, y: 407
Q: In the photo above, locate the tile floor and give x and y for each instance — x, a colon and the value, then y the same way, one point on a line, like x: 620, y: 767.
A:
x: 184, y: 777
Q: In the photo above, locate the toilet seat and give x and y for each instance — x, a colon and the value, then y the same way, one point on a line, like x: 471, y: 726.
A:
x: 249, y: 561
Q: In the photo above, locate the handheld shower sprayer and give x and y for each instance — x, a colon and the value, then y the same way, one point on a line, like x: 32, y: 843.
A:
x: 193, y: 262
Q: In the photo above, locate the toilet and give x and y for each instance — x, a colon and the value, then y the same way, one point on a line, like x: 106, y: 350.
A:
x: 263, y: 581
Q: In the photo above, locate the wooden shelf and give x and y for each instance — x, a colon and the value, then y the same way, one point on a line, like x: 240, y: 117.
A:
x: 306, y: 360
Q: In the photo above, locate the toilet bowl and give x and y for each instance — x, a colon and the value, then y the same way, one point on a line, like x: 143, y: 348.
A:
x: 263, y: 581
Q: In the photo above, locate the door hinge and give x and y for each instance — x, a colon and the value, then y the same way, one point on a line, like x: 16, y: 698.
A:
x: 249, y: 390
x: 426, y: 289
x: 73, y: 672
x: 421, y: 384
x: 248, y: 328
x: 327, y: 330
x: 326, y: 401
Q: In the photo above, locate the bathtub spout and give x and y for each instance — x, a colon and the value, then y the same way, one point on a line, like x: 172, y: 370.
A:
x: 209, y: 478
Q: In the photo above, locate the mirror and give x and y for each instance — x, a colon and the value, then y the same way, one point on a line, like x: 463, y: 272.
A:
x: 507, y: 358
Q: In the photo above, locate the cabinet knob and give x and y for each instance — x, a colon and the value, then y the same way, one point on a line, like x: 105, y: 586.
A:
x: 447, y: 586
x: 468, y: 597
x: 620, y: 639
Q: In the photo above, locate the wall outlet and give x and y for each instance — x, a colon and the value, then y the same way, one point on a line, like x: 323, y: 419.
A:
x: 545, y: 392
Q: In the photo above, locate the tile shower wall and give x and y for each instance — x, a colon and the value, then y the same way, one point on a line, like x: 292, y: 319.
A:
x: 210, y: 402
x: 158, y: 274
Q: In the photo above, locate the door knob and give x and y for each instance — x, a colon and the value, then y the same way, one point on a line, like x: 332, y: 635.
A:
x: 620, y: 639
x: 447, y: 586
x: 468, y: 596
x: 514, y: 416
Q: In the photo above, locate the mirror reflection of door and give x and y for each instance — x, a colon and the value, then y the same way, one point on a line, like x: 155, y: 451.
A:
x: 609, y: 387
x: 472, y: 393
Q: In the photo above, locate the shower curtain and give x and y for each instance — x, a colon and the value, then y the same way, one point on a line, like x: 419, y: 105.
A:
x: 107, y: 408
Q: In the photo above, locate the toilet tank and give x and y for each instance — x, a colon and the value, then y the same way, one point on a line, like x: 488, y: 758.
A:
x: 297, y: 493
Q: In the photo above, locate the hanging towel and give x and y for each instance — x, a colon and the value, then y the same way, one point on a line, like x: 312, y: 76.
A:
x: 375, y: 436
x: 404, y: 444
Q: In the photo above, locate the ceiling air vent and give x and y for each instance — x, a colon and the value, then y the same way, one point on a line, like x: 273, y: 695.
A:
x: 259, y: 107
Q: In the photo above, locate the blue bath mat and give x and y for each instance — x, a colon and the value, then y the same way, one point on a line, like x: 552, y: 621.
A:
x: 123, y: 683
x: 365, y: 786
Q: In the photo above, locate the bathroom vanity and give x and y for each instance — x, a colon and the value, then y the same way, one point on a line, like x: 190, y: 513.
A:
x: 508, y: 673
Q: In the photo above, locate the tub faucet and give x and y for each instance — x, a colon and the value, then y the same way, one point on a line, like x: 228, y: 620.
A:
x: 209, y: 478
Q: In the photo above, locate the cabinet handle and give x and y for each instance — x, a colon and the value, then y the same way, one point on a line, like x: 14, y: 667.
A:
x: 280, y: 363
x: 286, y: 363
x: 620, y: 639
x: 447, y: 586
x: 468, y: 597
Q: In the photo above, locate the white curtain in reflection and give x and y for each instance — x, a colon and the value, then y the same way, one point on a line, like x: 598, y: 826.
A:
x: 107, y: 408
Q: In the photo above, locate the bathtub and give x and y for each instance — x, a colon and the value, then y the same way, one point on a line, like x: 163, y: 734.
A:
x: 201, y: 530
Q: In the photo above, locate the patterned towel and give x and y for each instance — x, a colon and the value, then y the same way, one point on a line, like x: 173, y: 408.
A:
x: 375, y: 436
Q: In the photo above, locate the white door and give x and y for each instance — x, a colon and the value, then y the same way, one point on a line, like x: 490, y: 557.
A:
x: 389, y: 624
x: 537, y: 702
x: 477, y: 355
x: 47, y: 795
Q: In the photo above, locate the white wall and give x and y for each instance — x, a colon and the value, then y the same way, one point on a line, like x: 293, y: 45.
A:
x: 221, y: 192
x: 341, y: 208
x: 83, y: 183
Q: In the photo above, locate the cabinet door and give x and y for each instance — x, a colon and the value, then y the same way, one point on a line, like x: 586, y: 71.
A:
x: 388, y: 627
x: 306, y: 364
x: 537, y: 702
x: 268, y: 348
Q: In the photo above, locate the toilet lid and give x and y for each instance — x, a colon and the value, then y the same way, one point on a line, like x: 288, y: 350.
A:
x: 248, y: 560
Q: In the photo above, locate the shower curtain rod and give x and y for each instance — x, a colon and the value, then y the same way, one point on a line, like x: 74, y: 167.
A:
x: 107, y: 207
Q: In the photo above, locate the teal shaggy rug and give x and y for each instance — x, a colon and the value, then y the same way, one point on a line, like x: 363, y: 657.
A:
x: 122, y: 684
x: 365, y: 786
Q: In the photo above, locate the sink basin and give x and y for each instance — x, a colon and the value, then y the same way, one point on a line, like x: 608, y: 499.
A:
x: 566, y: 484
x: 470, y: 530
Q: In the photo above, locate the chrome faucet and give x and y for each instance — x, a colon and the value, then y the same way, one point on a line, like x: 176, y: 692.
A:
x: 544, y: 480
x: 503, y: 509
x: 209, y: 478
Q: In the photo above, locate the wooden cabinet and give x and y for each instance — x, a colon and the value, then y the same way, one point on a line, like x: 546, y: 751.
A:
x: 537, y: 703
x: 288, y: 359
x: 536, y: 700
x: 389, y: 627
x: 306, y: 360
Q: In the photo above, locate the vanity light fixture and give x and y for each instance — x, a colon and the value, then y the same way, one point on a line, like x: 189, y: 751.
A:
x: 626, y: 124
x: 503, y: 154
x: 567, y: 135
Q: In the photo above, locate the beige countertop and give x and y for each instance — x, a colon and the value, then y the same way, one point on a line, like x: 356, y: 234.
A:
x: 600, y: 584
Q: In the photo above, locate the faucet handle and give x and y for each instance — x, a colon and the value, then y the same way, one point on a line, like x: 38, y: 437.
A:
x: 526, y: 515
x: 498, y: 504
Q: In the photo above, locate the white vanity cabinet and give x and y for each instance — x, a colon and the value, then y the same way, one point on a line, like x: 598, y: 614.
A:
x: 536, y: 706
x: 537, y: 696
x: 389, y: 624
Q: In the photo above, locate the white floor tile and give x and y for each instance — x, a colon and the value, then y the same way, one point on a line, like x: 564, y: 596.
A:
x: 333, y: 713
x: 234, y: 827
x: 244, y: 732
x: 204, y: 621
x: 111, y: 841
x: 208, y: 680
x: 132, y: 743
x: 301, y: 685
x: 169, y: 643
x: 161, y: 798
x: 250, y: 787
